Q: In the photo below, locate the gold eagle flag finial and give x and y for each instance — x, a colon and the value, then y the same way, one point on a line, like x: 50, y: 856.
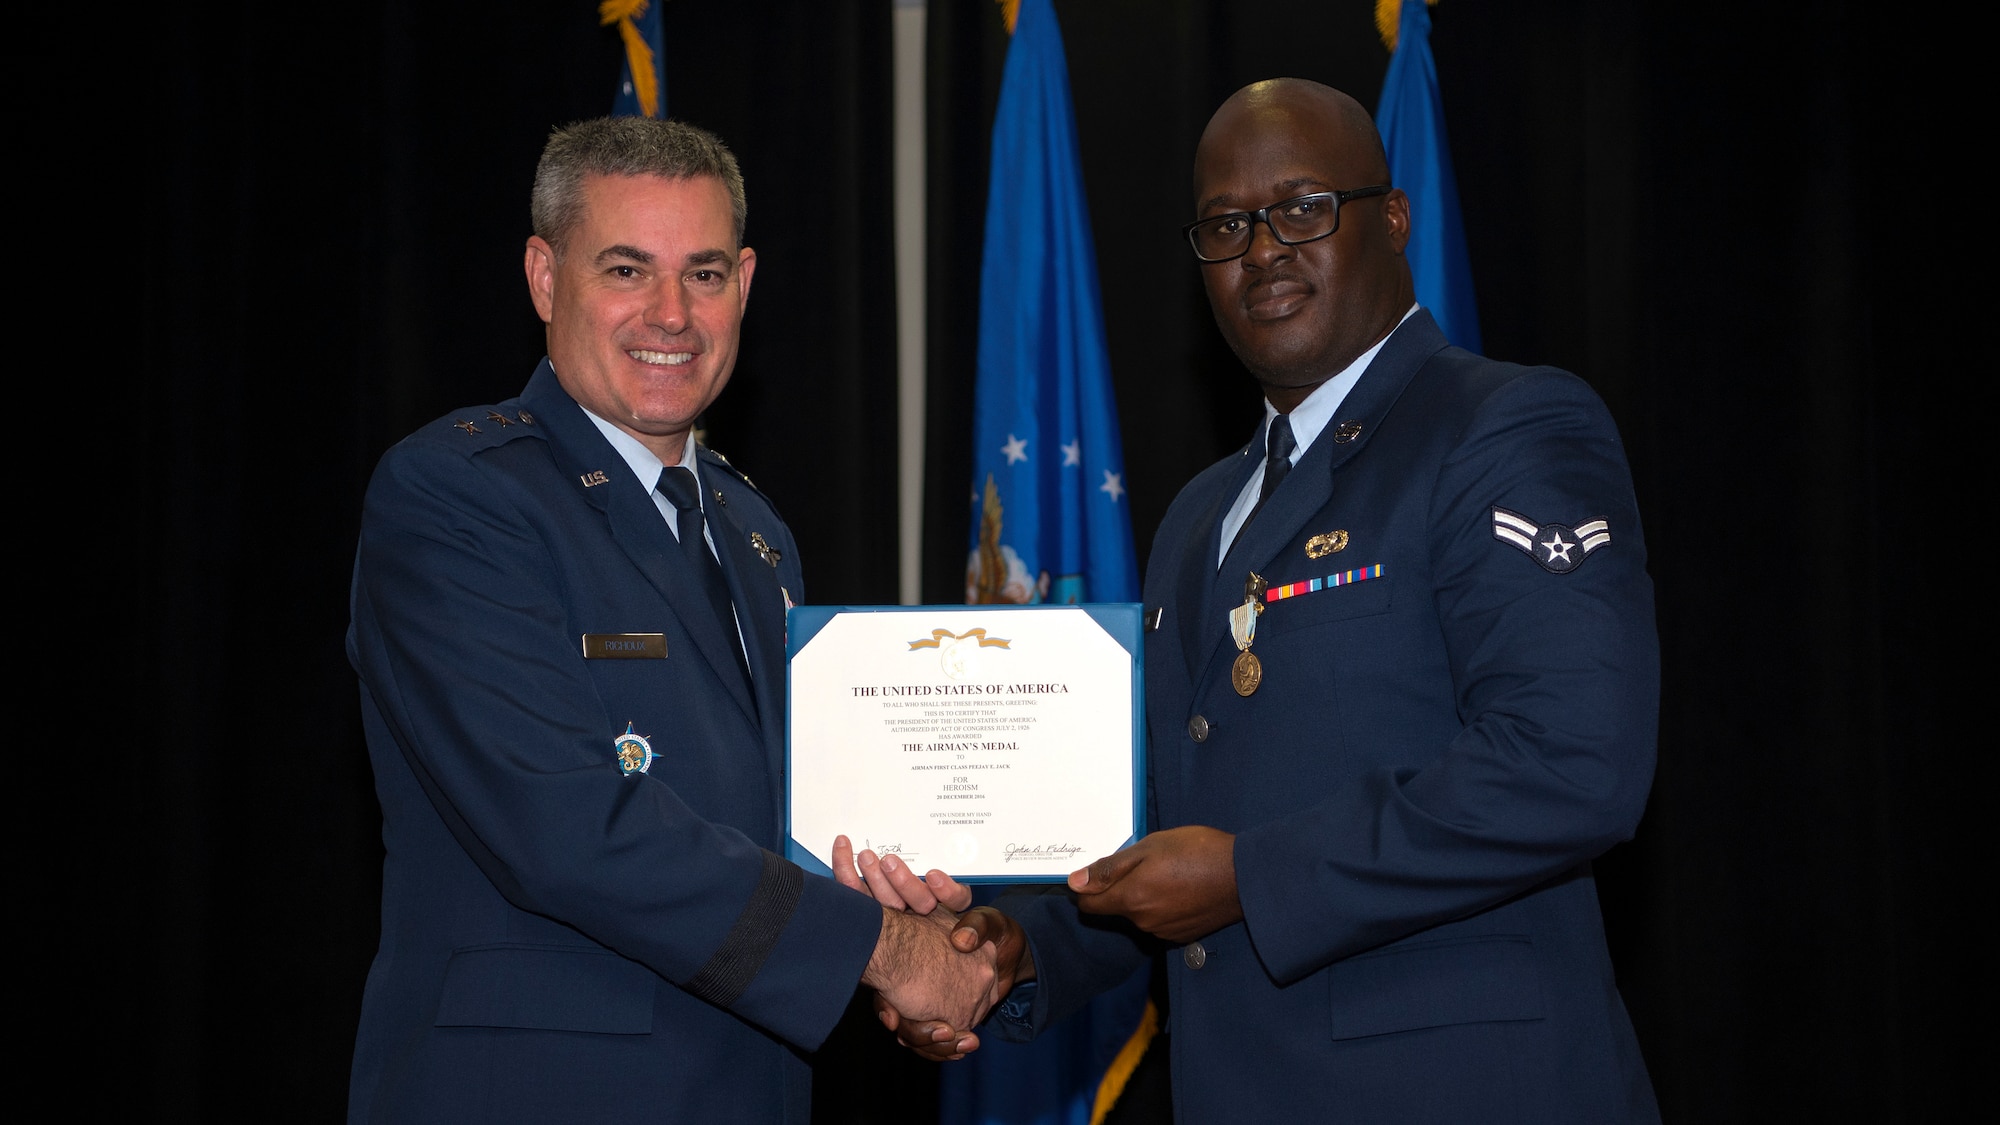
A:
x: 1389, y: 20
x: 991, y: 575
x: 638, y: 53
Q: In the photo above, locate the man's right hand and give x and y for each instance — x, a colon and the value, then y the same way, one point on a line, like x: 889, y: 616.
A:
x: 979, y: 930
x: 919, y: 972
x: 982, y: 932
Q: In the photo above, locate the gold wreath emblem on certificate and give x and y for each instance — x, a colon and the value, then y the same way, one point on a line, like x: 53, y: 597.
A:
x: 1320, y: 546
x: 1246, y: 673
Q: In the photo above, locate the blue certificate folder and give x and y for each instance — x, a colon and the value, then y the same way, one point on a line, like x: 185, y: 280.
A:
x: 1121, y: 621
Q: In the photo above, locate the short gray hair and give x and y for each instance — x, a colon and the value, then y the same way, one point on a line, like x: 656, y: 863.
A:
x: 625, y: 146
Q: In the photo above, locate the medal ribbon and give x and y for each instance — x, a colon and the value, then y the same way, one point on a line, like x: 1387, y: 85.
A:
x: 1314, y: 585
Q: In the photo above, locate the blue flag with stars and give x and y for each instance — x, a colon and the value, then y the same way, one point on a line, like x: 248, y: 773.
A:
x: 1050, y: 518
x: 1411, y: 119
x: 1051, y: 523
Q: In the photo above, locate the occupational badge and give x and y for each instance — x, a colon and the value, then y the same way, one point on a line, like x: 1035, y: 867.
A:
x: 1555, y: 547
x: 1320, y: 546
x: 635, y: 754
x: 765, y: 551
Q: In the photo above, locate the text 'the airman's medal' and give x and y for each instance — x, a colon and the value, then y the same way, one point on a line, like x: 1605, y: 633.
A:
x: 1248, y: 671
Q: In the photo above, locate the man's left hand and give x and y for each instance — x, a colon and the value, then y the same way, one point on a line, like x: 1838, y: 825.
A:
x: 1178, y: 884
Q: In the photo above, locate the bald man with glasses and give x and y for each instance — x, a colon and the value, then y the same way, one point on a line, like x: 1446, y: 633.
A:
x: 1401, y: 690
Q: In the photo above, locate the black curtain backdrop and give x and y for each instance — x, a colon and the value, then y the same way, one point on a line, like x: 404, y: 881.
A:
x: 1723, y: 220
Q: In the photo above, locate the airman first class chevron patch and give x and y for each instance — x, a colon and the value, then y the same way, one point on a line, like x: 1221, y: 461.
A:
x: 1556, y: 548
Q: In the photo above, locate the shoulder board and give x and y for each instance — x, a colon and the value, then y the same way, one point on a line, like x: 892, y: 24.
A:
x: 480, y: 427
x: 722, y: 463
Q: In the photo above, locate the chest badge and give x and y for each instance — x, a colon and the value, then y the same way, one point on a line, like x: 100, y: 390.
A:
x: 1320, y: 546
x: 635, y: 754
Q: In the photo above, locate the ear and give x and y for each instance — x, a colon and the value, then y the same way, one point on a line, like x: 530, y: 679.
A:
x: 746, y: 265
x: 540, y: 265
x: 1396, y: 217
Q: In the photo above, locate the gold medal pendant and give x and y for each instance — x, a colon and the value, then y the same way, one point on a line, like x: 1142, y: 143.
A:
x: 1246, y: 673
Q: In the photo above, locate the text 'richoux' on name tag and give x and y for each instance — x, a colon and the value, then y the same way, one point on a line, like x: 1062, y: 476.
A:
x: 624, y: 646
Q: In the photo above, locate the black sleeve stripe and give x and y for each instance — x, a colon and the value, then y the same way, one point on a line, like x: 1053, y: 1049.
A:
x: 750, y: 940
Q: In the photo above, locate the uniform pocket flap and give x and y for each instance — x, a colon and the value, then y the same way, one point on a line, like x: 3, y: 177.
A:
x: 1304, y: 607
x: 1435, y: 985
x: 550, y: 989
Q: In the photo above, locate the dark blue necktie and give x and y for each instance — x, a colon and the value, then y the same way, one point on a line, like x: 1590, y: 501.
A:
x: 683, y: 491
x: 1278, y: 447
x: 1277, y: 458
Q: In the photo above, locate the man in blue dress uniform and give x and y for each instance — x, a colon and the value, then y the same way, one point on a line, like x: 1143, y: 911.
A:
x: 568, y: 621
x: 1401, y: 689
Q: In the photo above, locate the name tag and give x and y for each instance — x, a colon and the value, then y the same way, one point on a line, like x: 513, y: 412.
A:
x: 624, y: 646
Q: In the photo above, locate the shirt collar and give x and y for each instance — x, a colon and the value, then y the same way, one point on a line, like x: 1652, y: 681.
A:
x: 646, y: 468
x: 1311, y: 416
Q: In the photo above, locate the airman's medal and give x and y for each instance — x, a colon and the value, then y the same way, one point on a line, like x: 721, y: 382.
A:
x: 1248, y: 672
x: 635, y: 754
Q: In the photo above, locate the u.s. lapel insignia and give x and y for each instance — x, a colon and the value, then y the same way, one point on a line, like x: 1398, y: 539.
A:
x: 635, y: 754
x: 1346, y: 432
x: 1320, y: 546
x: 1555, y: 547
x: 764, y: 550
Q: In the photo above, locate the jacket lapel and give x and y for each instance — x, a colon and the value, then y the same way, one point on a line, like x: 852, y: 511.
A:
x: 635, y: 521
x: 1309, y: 486
x: 753, y: 587
x: 1199, y: 585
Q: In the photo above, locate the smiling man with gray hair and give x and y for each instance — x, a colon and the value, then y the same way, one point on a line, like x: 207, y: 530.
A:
x: 568, y: 621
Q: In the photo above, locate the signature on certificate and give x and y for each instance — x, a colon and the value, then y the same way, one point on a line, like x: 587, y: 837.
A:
x: 1040, y: 851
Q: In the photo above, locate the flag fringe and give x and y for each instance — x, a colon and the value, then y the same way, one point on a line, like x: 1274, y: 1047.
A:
x: 1121, y: 1068
x: 638, y: 53
x: 1010, y: 11
x: 1389, y: 20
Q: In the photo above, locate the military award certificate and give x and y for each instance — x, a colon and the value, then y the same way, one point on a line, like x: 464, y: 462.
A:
x: 1000, y: 744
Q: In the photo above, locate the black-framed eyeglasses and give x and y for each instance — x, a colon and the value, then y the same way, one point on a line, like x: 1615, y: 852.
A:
x: 1225, y: 238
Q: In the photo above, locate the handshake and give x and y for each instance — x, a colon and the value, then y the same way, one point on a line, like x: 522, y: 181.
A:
x: 938, y: 968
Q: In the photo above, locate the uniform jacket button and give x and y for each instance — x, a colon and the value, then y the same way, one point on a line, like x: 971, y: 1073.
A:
x: 1198, y: 728
x: 1194, y: 955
